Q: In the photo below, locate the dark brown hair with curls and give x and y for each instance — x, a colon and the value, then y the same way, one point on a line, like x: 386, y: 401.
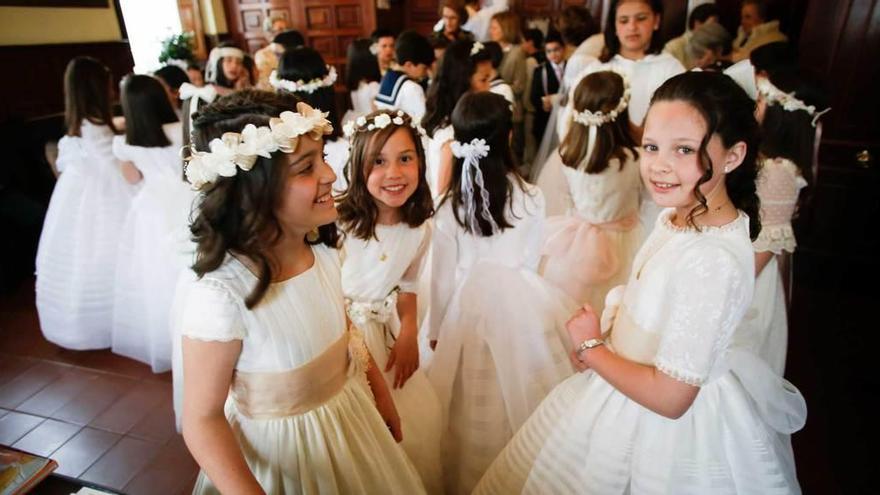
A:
x: 728, y: 112
x: 357, y: 208
x: 599, y: 91
x: 237, y: 214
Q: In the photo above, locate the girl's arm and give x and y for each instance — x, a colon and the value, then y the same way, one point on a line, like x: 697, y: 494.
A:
x: 644, y: 384
x: 761, y: 260
x: 208, y: 367
x: 130, y: 173
x: 384, y: 402
x: 405, y: 353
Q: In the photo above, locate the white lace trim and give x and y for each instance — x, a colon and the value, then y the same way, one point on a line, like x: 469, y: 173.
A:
x: 213, y: 338
x: 776, y: 239
x: 666, y: 222
x: 678, y: 374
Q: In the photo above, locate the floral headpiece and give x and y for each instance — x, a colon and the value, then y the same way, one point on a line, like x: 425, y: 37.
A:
x: 233, y: 150
x: 775, y: 96
x: 380, y: 121
x: 598, y: 118
x: 472, y: 153
x: 302, y: 86
x: 476, y: 47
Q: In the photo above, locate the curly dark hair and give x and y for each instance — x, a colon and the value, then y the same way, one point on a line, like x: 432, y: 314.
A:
x: 357, y: 208
x: 599, y: 91
x: 730, y: 113
x: 486, y: 116
x: 237, y: 214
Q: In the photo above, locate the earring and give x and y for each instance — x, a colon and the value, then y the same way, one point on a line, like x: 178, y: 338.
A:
x: 726, y: 169
x: 313, y: 236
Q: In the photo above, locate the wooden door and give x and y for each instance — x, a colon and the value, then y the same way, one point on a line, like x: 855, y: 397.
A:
x: 329, y: 26
x: 191, y: 20
x: 245, y: 18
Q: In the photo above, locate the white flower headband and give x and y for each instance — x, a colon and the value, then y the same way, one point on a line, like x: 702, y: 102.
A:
x: 235, y: 150
x: 302, y: 86
x: 593, y: 120
x: 380, y: 121
x: 775, y: 96
x: 476, y: 47
x: 215, y: 56
x: 471, y: 153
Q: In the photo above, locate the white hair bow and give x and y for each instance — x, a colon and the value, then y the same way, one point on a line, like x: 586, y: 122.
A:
x: 471, y: 153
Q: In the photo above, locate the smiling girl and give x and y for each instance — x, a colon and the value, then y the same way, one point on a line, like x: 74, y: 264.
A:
x: 275, y: 387
x: 664, y: 402
x: 385, y: 214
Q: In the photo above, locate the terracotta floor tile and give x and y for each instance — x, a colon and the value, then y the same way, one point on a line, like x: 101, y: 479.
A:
x: 104, y: 360
x: 55, y: 395
x: 15, y: 425
x: 92, y: 401
x: 132, y: 407
x: 122, y: 462
x: 12, y: 366
x: 171, y: 471
x: 27, y: 384
x: 156, y: 425
x: 81, y: 451
x: 47, y: 437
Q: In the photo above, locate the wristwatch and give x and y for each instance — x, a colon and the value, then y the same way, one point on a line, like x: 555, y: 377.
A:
x: 589, y: 344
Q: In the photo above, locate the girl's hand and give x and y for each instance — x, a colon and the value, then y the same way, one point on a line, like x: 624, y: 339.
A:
x: 405, y: 356
x: 388, y: 411
x: 576, y: 362
x: 584, y: 325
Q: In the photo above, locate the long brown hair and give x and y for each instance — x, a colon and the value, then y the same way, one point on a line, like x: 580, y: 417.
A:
x: 599, y: 91
x: 357, y: 208
x: 237, y: 214
x: 87, y: 94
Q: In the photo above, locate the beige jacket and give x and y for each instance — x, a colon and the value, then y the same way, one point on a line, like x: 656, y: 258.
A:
x: 761, y: 35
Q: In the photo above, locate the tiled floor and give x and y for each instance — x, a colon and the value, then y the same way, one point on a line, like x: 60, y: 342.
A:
x: 104, y: 418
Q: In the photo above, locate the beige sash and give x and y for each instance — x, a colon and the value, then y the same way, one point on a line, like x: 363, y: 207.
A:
x: 630, y: 341
x: 287, y: 393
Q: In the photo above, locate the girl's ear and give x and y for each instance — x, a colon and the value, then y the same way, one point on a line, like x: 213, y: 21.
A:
x: 734, y: 156
x: 657, y: 20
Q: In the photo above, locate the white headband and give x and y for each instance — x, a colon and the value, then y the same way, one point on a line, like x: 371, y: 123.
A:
x: 471, y: 153
x: 303, y: 86
x: 215, y: 56
x: 233, y: 150
x: 775, y: 96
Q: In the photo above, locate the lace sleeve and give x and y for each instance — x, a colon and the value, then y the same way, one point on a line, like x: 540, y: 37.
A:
x: 779, y: 184
x: 211, y: 313
x: 410, y: 280
x: 707, y: 297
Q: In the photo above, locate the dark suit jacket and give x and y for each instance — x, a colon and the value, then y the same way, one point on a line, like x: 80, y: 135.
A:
x: 544, y: 82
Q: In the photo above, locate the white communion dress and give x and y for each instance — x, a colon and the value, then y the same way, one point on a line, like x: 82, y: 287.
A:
x: 79, y: 243
x: 299, y: 404
x: 374, y: 272
x: 678, y: 312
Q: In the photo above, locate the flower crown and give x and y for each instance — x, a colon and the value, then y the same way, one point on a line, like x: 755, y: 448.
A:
x: 302, y: 86
x: 235, y: 150
x: 598, y: 118
x: 775, y: 96
x: 380, y: 121
x: 476, y: 48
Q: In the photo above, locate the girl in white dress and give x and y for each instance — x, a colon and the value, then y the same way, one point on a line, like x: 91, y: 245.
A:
x: 498, y: 326
x: 589, y: 250
x: 465, y: 66
x: 384, y: 214
x: 665, y: 403
x: 79, y: 243
x: 788, y: 118
x: 632, y: 47
x: 277, y: 392
x: 150, y: 259
x: 362, y: 78
x: 302, y: 71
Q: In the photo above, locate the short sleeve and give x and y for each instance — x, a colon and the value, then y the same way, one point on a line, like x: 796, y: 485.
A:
x: 412, y: 100
x: 211, y: 313
x: 410, y: 280
x: 121, y: 150
x: 707, y: 297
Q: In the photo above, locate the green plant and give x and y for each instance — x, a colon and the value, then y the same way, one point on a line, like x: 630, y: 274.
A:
x: 177, y: 47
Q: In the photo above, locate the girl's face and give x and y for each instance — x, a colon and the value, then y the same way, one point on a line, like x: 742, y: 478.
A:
x: 232, y: 68
x: 395, y: 171
x: 496, y: 34
x: 450, y: 20
x: 669, y: 160
x: 307, y: 201
x: 635, y: 24
x: 482, y: 76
